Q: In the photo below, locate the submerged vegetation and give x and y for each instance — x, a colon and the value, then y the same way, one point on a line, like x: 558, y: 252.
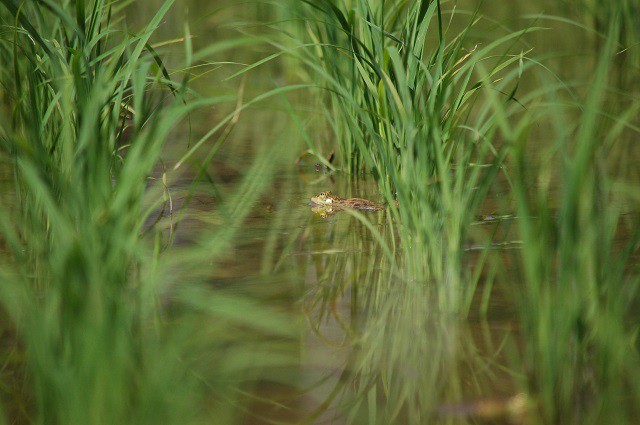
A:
x: 115, y: 311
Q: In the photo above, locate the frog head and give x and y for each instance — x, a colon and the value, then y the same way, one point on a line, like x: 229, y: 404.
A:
x: 324, y: 198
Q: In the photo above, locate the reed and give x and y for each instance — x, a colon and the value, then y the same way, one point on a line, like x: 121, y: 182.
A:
x: 578, y: 297
x: 421, y: 109
x: 401, y: 96
x: 91, y: 302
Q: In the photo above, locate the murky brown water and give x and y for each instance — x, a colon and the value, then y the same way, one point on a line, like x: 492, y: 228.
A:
x: 355, y: 314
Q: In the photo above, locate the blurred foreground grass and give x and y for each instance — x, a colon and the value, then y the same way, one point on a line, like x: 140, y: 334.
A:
x: 103, y: 325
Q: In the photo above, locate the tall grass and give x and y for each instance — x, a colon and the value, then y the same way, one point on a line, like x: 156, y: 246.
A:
x: 91, y: 303
x: 421, y: 109
x: 400, y: 93
x: 578, y: 304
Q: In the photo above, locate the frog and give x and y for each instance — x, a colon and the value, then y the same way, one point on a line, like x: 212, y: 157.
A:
x: 328, y: 200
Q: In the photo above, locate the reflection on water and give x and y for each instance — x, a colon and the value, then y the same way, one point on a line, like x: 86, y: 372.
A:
x: 374, y: 348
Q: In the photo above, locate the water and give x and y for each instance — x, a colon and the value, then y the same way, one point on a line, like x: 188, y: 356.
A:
x: 364, y: 333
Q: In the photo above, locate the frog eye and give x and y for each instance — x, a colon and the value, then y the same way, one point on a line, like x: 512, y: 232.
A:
x: 322, y: 195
